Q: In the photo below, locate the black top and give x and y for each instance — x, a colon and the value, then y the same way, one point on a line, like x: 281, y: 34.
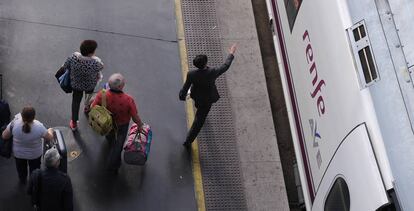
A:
x: 203, y: 89
x: 55, y: 190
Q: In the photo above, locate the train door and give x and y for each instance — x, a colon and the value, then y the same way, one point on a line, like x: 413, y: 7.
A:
x: 352, y: 180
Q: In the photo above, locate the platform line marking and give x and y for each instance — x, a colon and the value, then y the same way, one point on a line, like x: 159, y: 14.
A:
x: 88, y: 29
x: 198, y: 180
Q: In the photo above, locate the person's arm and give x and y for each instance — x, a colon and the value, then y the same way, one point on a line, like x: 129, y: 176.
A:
x: 48, y: 136
x: 183, y: 92
x: 68, y: 196
x: 6, y: 133
x: 33, y: 187
x: 224, y: 67
x: 99, y: 63
x: 138, y: 121
x: 134, y: 114
x: 66, y: 64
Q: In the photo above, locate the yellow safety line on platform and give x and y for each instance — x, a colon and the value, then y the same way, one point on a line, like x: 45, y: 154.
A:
x: 198, y: 180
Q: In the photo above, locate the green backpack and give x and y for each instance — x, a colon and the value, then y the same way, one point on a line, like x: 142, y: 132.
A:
x: 100, y: 118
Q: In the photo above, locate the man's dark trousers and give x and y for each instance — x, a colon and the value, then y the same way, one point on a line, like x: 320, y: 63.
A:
x: 199, y: 119
x: 116, y: 145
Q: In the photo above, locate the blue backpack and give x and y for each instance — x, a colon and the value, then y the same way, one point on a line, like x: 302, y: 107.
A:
x: 63, y: 78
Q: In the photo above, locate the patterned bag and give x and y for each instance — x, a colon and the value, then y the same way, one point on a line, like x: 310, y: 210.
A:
x: 100, y: 118
x: 137, y: 147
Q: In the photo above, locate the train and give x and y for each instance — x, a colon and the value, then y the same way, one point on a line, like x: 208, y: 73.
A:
x: 347, y: 69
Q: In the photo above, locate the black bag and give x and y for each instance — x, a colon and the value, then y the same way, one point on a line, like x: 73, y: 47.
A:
x: 60, y: 145
x: 4, y: 113
x: 59, y: 73
x: 6, y: 145
x: 4, y: 107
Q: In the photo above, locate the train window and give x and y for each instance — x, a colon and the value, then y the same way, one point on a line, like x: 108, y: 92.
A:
x: 338, y: 198
x: 368, y: 66
x: 292, y: 8
x: 364, y: 59
x: 359, y: 32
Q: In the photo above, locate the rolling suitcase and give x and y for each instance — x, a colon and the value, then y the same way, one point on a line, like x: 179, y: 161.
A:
x: 137, y: 147
x: 60, y: 145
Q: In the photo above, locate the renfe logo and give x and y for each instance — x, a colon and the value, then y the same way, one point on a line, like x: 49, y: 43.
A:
x: 317, y: 85
x: 316, y: 137
x: 316, y: 94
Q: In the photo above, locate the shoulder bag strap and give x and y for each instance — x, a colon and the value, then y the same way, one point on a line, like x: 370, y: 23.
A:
x: 11, y: 127
x: 103, y: 98
x: 115, y: 128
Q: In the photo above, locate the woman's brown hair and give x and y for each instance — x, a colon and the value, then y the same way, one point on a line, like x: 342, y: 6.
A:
x: 28, y: 115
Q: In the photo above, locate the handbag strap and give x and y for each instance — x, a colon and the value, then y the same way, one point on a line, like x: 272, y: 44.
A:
x: 136, y: 143
x: 103, y: 98
x: 11, y: 127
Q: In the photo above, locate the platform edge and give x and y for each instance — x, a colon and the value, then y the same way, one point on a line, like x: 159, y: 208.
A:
x: 198, y: 181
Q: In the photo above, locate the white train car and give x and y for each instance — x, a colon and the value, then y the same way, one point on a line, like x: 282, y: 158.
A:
x: 347, y: 68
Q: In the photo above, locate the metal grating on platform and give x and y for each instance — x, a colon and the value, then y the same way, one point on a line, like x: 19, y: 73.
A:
x: 219, y: 157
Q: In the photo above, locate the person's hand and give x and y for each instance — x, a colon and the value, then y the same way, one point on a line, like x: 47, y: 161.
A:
x: 233, y: 48
x: 140, y: 129
x: 182, y: 95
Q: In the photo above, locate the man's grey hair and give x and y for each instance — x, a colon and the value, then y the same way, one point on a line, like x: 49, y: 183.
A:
x: 116, y: 81
x: 52, y: 157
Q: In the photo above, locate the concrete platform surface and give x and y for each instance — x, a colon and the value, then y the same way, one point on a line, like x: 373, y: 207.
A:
x: 255, y: 133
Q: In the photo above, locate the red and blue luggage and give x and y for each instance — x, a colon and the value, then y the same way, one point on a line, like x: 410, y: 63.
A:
x: 137, y: 147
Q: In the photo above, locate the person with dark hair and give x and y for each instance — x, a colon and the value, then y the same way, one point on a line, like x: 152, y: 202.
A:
x: 50, y: 188
x: 27, y: 144
x: 88, y: 47
x: 200, y: 61
x: 85, y: 73
x: 203, y: 90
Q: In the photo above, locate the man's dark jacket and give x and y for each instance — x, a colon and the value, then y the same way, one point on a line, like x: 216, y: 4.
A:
x: 51, y: 189
x: 203, y: 89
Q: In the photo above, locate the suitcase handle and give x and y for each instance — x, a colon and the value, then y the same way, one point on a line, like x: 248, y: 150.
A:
x: 59, y: 141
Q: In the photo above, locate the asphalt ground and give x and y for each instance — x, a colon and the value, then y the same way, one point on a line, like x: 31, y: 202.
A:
x: 135, y: 38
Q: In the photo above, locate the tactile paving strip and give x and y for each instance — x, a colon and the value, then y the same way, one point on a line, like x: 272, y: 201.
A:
x: 219, y: 158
